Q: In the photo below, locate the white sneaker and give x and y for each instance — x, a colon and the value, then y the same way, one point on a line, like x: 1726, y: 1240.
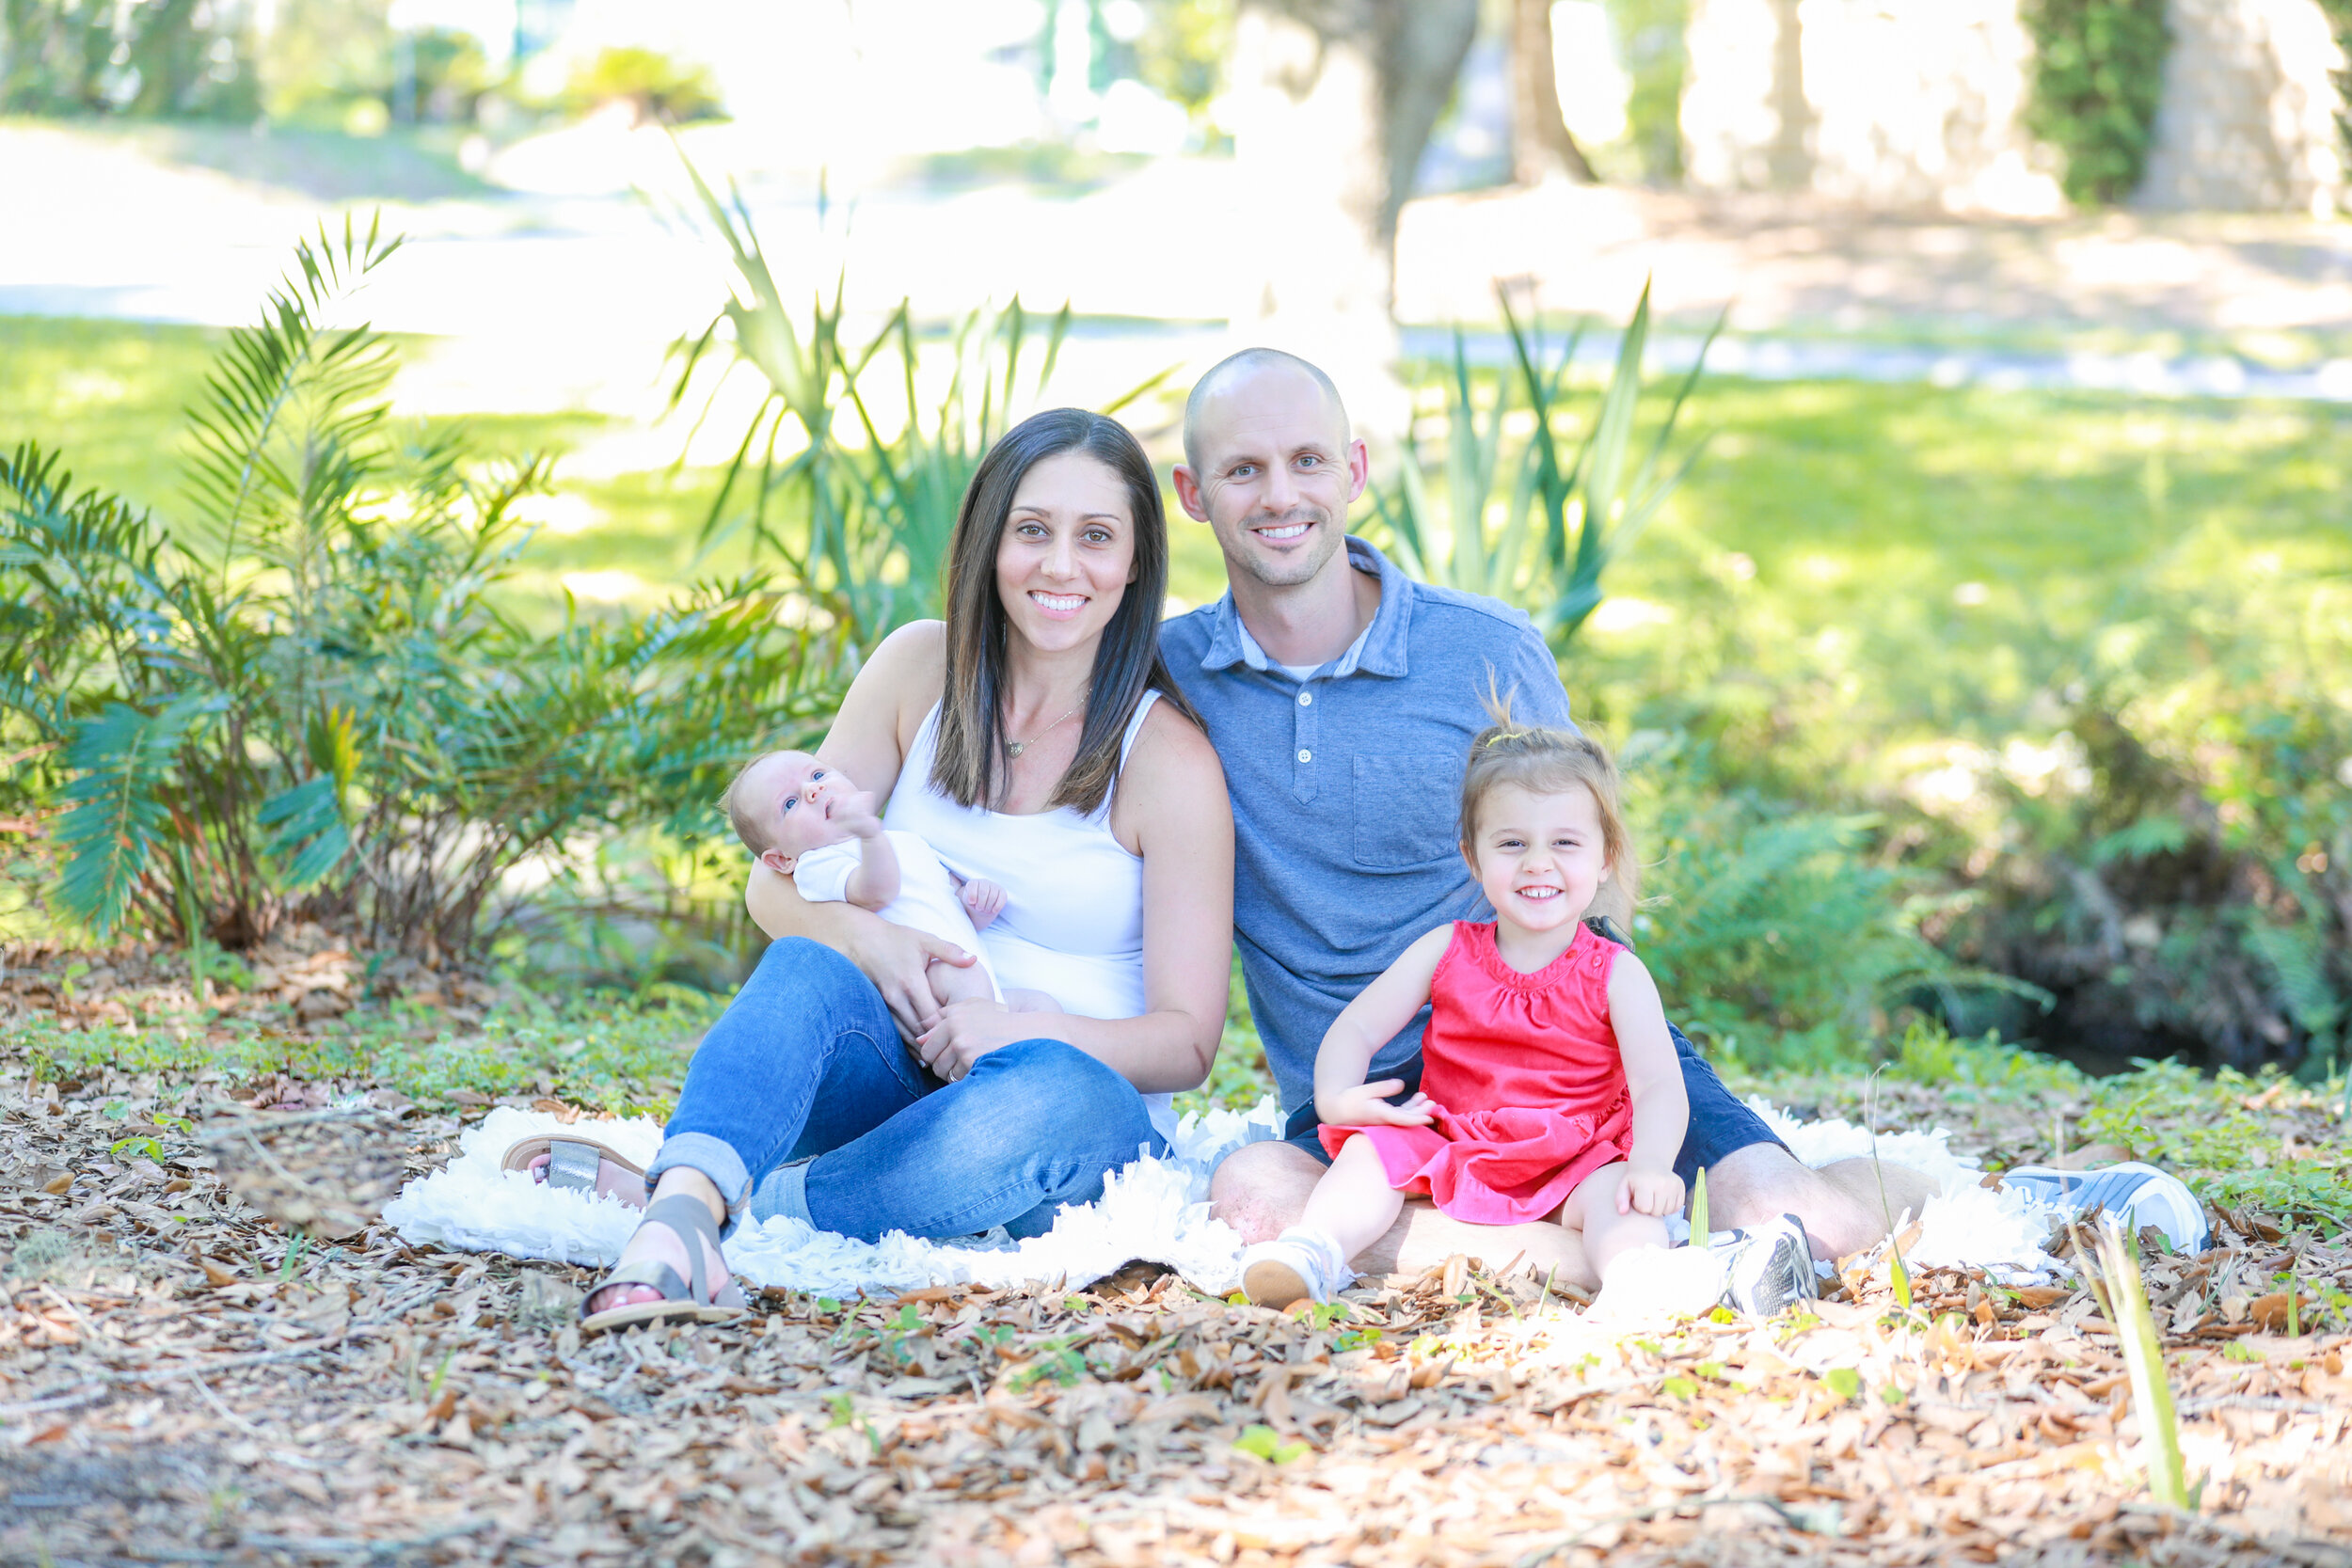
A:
x: 2136, y: 1194
x: 1297, y: 1263
x: 1771, y: 1268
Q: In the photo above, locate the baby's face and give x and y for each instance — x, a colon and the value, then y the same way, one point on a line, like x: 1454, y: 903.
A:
x: 794, y: 795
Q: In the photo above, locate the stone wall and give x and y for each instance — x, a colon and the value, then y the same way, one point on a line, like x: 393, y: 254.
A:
x: 1918, y: 104
x: 2247, y: 122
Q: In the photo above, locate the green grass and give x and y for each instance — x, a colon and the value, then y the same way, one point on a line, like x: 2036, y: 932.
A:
x: 1856, y: 567
x: 112, y: 396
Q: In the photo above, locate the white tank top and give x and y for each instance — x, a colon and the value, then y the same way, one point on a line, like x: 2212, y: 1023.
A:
x: 1072, y: 924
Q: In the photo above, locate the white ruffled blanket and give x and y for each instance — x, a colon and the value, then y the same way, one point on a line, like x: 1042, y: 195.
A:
x: 1155, y: 1210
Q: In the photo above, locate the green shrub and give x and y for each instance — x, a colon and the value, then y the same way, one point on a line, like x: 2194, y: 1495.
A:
x: 861, y: 526
x: 1773, y: 933
x: 2189, y: 877
x: 2097, y: 81
x: 310, y: 700
x: 1575, y: 505
x: 652, y: 83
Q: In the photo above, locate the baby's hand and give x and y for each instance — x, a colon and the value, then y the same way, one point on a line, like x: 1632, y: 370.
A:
x: 983, y: 901
x: 1367, y: 1105
x: 855, y: 814
x: 1657, y: 1193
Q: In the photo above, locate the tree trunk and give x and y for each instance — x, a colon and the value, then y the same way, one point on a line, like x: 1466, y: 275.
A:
x: 1336, y: 102
x: 1541, y: 144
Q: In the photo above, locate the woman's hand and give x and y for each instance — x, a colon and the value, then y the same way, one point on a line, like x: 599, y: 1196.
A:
x: 967, y: 1031
x: 898, y: 959
x: 1657, y: 1193
x: 1367, y: 1105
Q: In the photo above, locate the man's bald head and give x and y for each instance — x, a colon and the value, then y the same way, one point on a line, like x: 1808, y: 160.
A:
x: 1236, y: 370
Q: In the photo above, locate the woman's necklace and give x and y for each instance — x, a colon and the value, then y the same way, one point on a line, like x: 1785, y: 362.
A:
x: 1014, y: 748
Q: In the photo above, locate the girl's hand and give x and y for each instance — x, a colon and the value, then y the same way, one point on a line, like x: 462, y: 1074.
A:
x: 1367, y: 1105
x: 1657, y: 1193
x: 967, y: 1031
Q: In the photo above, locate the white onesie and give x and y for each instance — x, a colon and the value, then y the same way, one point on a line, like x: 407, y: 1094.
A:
x: 927, y: 899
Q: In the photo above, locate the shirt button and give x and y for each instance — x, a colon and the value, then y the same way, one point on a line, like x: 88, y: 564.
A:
x: 1306, y: 756
x: 1306, y: 699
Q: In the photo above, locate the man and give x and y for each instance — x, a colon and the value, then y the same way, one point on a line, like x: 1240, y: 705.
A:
x: 1342, y: 698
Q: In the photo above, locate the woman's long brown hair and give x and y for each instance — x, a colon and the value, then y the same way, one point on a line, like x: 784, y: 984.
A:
x: 971, y: 766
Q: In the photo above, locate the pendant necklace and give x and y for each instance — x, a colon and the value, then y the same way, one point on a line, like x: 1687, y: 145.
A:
x: 1014, y: 748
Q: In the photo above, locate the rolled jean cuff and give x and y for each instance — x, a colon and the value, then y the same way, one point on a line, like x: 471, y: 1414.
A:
x: 716, y: 1159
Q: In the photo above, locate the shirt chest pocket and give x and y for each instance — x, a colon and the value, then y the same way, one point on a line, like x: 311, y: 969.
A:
x: 1406, y: 808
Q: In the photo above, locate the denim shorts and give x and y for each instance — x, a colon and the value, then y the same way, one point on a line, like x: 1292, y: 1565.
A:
x: 1720, y: 1125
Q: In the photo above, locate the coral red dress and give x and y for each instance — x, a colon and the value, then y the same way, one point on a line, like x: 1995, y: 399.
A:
x: 1532, y: 1062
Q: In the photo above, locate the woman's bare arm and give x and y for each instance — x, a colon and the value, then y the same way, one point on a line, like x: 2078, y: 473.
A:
x: 884, y: 706
x: 1172, y: 795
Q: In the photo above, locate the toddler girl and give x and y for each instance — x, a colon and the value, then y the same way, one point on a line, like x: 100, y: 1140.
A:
x: 1549, y: 1086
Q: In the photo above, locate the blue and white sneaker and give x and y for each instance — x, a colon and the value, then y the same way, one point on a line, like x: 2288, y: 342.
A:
x: 2136, y: 1194
x: 1299, y: 1264
x: 1772, y: 1268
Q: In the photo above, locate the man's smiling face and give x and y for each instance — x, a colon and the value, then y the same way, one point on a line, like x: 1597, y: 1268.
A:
x: 1272, y: 472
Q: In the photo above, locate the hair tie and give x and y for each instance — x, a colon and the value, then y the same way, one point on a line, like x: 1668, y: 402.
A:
x: 1500, y: 736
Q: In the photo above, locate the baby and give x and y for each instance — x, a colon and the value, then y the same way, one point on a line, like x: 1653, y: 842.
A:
x: 807, y: 821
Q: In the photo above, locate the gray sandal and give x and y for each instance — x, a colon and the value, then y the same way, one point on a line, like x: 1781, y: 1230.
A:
x: 574, y: 1162
x: 689, y: 1219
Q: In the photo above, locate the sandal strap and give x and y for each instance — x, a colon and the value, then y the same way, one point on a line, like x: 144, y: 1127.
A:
x: 690, y: 1218
x: 573, y: 1165
x: 648, y: 1272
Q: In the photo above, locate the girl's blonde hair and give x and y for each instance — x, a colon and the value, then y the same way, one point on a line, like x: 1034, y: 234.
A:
x: 1547, y: 761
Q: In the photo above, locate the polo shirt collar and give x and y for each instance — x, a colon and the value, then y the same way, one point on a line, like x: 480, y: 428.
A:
x: 1380, y: 651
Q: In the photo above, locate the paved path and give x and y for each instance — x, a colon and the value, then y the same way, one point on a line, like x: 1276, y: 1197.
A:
x: 561, y: 294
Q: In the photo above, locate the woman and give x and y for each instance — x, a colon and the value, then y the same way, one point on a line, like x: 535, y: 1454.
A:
x: 1035, y: 740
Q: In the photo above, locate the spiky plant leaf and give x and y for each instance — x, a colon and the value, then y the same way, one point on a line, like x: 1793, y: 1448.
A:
x: 122, y: 758
x: 307, y: 832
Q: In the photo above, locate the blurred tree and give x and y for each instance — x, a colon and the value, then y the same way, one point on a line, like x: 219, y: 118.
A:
x: 1541, y: 144
x: 52, y: 55
x: 322, y: 57
x: 1650, y: 32
x: 160, y: 58
x: 447, y: 74
x: 2339, y: 23
x: 1182, y: 51
x: 2097, y: 79
x: 654, y: 85
x: 1334, y: 101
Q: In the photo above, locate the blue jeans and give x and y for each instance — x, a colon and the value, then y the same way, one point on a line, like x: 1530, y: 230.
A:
x: 803, y: 1102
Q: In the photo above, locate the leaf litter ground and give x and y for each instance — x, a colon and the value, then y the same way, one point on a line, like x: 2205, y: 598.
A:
x: 185, y: 1379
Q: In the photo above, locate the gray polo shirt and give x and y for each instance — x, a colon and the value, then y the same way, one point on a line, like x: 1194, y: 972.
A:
x: 1345, y: 790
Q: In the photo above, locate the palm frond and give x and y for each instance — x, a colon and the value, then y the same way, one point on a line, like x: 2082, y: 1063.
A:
x: 284, y: 432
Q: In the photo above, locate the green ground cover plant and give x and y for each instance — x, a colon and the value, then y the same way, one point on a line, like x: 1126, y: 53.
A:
x: 609, y: 1054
